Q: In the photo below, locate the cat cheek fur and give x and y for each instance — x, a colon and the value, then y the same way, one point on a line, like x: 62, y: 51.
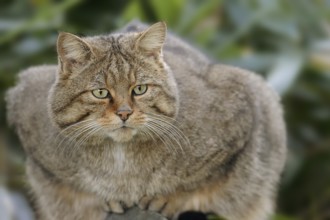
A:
x: 159, y: 101
x: 68, y: 109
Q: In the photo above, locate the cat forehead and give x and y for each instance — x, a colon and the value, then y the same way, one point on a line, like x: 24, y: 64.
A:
x: 113, y: 42
x: 116, y: 69
x: 119, y: 62
x: 125, y: 66
x: 115, y: 52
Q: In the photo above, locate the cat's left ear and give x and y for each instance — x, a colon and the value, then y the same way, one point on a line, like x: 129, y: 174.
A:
x: 73, y: 51
x: 151, y: 41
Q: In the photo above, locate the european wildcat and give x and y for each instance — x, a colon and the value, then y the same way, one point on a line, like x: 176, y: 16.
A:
x: 123, y: 120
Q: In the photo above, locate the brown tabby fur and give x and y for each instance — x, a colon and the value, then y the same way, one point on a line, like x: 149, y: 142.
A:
x: 204, y: 137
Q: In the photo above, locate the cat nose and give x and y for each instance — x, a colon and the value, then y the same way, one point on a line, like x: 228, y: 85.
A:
x: 124, y: 112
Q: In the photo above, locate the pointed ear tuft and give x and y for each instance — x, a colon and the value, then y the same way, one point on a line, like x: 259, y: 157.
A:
x: 72, y: 50
x: 152, y: 40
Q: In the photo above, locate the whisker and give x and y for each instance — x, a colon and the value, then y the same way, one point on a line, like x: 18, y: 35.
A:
x: 165, y: 119
x: 160, y: 137
x: 89, y: 132
x: 75, y: 125
x: 166, y: 131
x: 174, y: 130
x: 177, y: 131
x: 162, y: 116
x: 148, y: 134
x: 75, y: 135
x: 62, y: 135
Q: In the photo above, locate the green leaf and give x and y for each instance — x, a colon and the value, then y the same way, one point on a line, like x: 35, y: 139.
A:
x: 169, y: 10
x: 132, y: 11
x: 196, y: 13
x: 285, y: 71
x: 48, y: 17
x: 283, y: 27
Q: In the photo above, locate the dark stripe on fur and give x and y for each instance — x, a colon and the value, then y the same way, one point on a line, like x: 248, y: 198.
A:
x: 48, y: 174
x: 79, y: 119
x: 230, y: 162
x: 160, y: 111
x: 68, y: 103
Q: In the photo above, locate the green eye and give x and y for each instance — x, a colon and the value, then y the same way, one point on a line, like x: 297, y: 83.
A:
x: 100, y: 93
x: 140, y: 89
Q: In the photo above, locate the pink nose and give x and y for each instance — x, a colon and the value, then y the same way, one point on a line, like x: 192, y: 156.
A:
x: 124, y: 112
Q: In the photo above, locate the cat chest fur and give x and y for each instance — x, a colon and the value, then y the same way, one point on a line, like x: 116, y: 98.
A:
x: 118, y: 173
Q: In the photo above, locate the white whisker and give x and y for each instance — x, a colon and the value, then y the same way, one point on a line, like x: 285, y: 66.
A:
x: 167, y: 128
x: 168, y: 133
x: 160, y: 137
x: 175, y: 128
x: 77, y: 135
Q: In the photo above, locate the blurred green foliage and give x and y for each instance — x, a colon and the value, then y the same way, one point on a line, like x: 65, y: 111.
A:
x: 286, y: 41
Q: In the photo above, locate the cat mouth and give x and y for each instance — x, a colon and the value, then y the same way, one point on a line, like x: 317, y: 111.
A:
x: 124, y: 127
x: 123, y: 133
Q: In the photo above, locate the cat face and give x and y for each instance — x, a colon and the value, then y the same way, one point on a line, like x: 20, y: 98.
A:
x: 115, y: 86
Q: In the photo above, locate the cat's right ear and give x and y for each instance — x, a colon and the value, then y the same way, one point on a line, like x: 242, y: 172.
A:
x: 73, y: 52
x: 151, y: 41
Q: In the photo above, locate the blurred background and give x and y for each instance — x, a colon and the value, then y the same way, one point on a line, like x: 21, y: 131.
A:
x: 288, y: 42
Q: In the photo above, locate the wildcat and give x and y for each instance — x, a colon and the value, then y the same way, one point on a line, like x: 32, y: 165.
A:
x: 138, y: 118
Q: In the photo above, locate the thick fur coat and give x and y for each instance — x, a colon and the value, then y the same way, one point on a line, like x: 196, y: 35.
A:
x: 141, y: 118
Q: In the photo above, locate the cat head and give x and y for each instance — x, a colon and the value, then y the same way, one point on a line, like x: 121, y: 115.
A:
x: 113, y: 86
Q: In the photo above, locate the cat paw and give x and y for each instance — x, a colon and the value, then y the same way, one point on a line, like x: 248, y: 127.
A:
x: 168, y: 206
x: 117, y: 206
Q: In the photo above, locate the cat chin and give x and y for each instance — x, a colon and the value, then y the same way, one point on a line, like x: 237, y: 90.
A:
x: 122, y: 135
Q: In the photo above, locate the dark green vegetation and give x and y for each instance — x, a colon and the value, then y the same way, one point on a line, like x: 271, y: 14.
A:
x: 286, y: 41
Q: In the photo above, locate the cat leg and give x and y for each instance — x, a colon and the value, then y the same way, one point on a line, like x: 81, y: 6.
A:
x: 117, y: 206
x: 168, y: 206
x: 233, y: 207
x: 262, y: 210
x: 172, y: 205
x: 211, y: 199
x: 55, y: 200
x: 201, y: 199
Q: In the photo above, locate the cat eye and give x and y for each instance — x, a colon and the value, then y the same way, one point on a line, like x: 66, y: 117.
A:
x: 140, y: 89
x: 100, y: 93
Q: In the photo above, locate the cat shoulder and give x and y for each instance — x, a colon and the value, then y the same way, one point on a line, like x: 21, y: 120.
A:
x: 32, y: 83
x: 240, y: 89
x: 30, y: 80
x: 36, y: 74
x: 237, y: 79
x: 219, y: 73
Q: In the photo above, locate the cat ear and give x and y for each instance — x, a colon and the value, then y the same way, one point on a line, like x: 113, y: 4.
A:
x: 72, y: 51
x: 152, y: 40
